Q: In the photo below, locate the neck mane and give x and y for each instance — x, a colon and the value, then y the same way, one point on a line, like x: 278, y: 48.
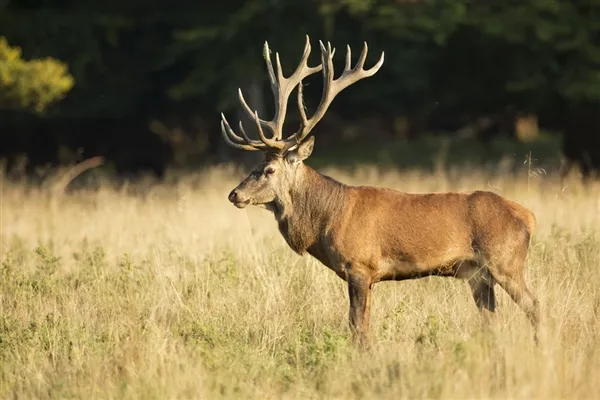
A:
x: 314, y: 203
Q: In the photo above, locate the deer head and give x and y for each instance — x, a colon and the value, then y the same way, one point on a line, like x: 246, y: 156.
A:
x: 282, y: 168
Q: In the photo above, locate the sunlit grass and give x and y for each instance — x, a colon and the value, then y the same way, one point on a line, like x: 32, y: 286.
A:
x: 174, y: 293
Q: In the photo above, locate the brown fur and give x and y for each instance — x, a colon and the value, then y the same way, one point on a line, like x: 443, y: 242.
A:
x: 367, y: 234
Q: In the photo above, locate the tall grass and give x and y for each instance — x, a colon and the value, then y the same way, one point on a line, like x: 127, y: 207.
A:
x: 174, y: 293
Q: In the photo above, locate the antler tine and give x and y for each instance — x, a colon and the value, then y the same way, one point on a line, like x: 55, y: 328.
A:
x: 348, y: 58
x: 267, y: 56
x: 254, y: 143
x: 243, y: 142
x: 332, y: 87
x: 260, y: 123
x: 230, y: 133
x: 250, y: 113
x: 361, y: 63
x: 231, y: 138
x: 285, y: 86
x: 261, y: 134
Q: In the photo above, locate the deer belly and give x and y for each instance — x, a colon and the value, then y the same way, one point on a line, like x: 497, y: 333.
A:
x: 390, y: 269
x: 399, y: 269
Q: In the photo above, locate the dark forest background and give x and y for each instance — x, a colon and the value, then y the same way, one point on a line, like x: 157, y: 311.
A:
x: 143, y: 82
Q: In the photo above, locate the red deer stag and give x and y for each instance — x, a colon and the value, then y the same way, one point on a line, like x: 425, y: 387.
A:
x: 369, y: 234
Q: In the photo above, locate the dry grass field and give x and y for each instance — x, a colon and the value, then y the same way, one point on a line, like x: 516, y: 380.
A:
x: 171, y: 292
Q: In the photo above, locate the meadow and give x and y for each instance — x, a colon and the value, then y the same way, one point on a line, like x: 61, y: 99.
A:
x: 168, y: 291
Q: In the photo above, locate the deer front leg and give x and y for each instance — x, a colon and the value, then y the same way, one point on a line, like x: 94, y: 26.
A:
x: 359, y: 291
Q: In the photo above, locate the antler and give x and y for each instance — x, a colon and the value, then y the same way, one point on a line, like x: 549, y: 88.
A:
x: 282, y: 88
x: 332, y: 87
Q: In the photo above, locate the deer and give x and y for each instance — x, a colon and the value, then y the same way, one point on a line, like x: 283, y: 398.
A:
x: 370, y: 234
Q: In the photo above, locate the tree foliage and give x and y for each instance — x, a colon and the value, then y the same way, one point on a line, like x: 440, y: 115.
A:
x: 457, y: 58
x: 461, y: 54
x: 33, y: 84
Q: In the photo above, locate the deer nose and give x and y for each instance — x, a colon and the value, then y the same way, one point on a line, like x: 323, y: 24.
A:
x: 233, y: 196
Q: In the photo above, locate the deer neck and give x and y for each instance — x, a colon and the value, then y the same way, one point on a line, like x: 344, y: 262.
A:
x: 310, y: 208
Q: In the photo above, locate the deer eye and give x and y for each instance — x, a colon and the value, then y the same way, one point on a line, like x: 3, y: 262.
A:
x: 269, y: 171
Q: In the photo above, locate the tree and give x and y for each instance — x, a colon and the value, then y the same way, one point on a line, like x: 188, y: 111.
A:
x: 31, y: 85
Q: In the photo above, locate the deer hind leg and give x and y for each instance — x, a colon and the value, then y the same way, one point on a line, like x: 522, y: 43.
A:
x: 509, y: 272
x: 519, y: 292
x: 359, y: 292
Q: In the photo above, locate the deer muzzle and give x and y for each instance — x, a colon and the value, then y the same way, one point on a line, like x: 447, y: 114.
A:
x: 234, y: 197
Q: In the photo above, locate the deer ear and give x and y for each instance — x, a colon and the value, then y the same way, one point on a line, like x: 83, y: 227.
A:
x: 305, y: 149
